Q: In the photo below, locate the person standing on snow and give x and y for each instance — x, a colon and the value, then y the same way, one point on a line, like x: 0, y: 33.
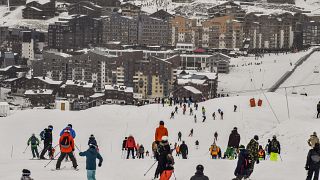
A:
x: 318, y: 109
x: 242, y: 169
x: 179, y: 136
x: 72, y: 132
x: 203, y: 111
x: 214, y: 115
x: 191, y: 133
x: 162, y: 156
x: 195, y: 118
x: 92, y: 140
x: 197, y: 144
x: 215, y: 136
x: 34, y: 141
x: 235, y: 108
x: 26, y: 175
x: 199, y: 174
x: 130, y: 146
x: 262, y: 153
x: 274, y: 149
x: 91, y: 155
x: 253, y: 148
x: 160, y: 132
x: 214, y: 151
x: 313, y: 162
x: 46, y: 136
x: 233, y: 143
x: 172, y: 115
x: 66, y: 144
x: 184, y: 150
x: 141, y: 152
x: 191, y: 112
x: 313, y: 140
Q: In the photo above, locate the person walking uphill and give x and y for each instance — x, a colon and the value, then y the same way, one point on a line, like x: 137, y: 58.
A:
x: 313, y: 163
x: 34, y: 141
x: 318, y: 109
x: 184, y: 150
x: 233, y: 143
x: 66, y: 144
x: 199, y: 174
x: 161, y: 156
x: 130, y: 146
x: 274, y: 149
x: 242, y: 169
x: 253, y: 149
x: 160, y: 132
x: 92, y: 154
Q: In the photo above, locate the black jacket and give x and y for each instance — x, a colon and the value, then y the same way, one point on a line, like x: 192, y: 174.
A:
x: 242, y: 165
x: 48, y: 136
x: 199, y: 176
x: 184, y: 149
x: 274, y: 146
x: 124, y: 142
x: 92, y: 140
x: 234, y: 139
x: 313, y: 154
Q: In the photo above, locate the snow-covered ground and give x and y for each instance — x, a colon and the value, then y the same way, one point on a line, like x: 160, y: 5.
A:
x: 111, y: 123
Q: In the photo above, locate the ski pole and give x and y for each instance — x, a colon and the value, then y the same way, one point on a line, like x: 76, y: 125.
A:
x: 174, y: 175
x: 52, y: 159
x: 25, y: 149
x: 280, y: 157
x: 77, y: 147
x: 149, y: 168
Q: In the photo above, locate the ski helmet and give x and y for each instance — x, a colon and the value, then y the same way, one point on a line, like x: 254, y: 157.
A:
x: 50, y: 127
x: 164, y: 138
x: 26, y: 172
x: 200, y: 168
x: 69, y: 125
x: 161, y: 122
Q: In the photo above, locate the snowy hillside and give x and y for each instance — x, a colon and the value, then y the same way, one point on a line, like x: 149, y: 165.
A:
x: 111, y: 123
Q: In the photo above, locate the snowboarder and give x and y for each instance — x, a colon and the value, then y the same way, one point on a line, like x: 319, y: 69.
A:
x: 91, y: 155
x: 233, y: 143
x: 130, y: 146
x: 199, y: 174
x: 179, y: 136
x: 204, y: 118
x: 274, y: 149
x: 197, y: 144
x: 161, y: 156
x: 72, y: 132
x: 141, y: 152
x: 26, y: 175
x: 160, y: 131
x: 242, y: 169
x: 215, y: 136
x: 261, y: 153
x: 92, y: 140
x: 318, y: 109
x: 191, y: 133
x: 313, y: 139
x: 221, y: 115
x: 191, y: 111
x: 235, y: 108
x: 34, y: 141
x: 66, y: 144
x: 184, y: 150
x: 214, y: 115
x: 46, y: 136
x: 195, y: 118
x: 253, y: 148
x: 313, y: 162
x: 172, y: 115
x: 214, y: 151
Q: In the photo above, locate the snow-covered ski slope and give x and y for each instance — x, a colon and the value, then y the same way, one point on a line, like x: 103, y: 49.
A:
x: 110, y: 123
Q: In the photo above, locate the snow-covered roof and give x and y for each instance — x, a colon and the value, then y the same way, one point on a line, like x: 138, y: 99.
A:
x: 34, y: 8
x: 192, y: 89
x: 38, y: 91
x: 65, y: 55
x: 196, y: 55
x: 193, y: 81
x: 38, y: 1
x: 96, y: 95
x: 7, y: 68
x: 119, y: 88
x: 79, y: 83
x: 48, y: 80
x: 10, y: 80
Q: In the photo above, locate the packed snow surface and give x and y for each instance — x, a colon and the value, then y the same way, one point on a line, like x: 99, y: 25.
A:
x: 111, y: 123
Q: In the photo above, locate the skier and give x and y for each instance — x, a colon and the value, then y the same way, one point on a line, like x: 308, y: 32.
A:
x: 233, y: 143
x: 215, y: 136
x: 219, y: 111
x: 191, y: 111
x: 179, y: 136
x: 160, y: 131
x: 196, y: 105
x: 141, y: 152
x: 197, y: 144
x: 221, y: 115
x: 267, y: 147
x: 253, y: 148
x: 178, y: 150
x: 261, y: 154
x: 214, y: 151
x: 130, y: 146
x: 191, y: 133
x: 172, y: 115
x: 214, y: 115
x: 147, y: 153
x: 66, y: 144
x: 274, y: 149
x: 318, y: 109
x: 34, y: 141
x: 46, y: 136
x: 162, y: 102
x: 91, y: 155
x: 204, y: 118
x: 313, y: 162
x: 235, y: 108
x: 203, y: 111
x: 26, y: 175
x: 92, y: 140
x: 199, y: 174
x: 161, y: 156
x: 313, y: 139
x: 195, y: 118
x: 184, y: 150
x: 242, y: 169
x: 72, y: 132
x: 176, y: 109
x: 184, y: 110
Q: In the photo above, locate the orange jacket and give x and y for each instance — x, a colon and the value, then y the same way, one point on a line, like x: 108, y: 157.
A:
x: 160, y: 131
x: 66, y: 148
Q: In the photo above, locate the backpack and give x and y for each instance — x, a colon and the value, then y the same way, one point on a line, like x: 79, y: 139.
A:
x: 170, y: 160
x: 65, y: 142
x: 274, y: 146
x: 315, y: 158
x: 42, y: 135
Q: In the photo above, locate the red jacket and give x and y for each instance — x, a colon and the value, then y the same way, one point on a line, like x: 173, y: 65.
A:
x: 70, y: 143
x: 130, y: 142
x: 160, y: 131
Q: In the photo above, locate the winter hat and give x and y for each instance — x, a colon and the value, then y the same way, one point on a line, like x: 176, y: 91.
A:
x: 274, y: 137
x: 26, y: 172
x: 315, y: 133
x: 200, y: 168
x: 164, y: 138
x: 92, y: 145
x: 50, y: 127
x: 256, y: 137
x: 69, y: 125
x: 161, y: 123
x: 235, y: 128
x: 241, y: 147
x: 91, y: 135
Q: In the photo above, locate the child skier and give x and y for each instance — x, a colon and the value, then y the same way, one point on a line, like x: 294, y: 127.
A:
x: 34, y: 141
x: 26, y: 175
x: 92, y: 154
x: 261, y: 153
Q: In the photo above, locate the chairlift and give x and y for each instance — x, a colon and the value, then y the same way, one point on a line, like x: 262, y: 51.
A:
x: 294, y: 91
x: 316, y: 69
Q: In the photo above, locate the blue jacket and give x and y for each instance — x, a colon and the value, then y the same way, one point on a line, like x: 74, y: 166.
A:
x: 72, y: 132
x: 91, y: 154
